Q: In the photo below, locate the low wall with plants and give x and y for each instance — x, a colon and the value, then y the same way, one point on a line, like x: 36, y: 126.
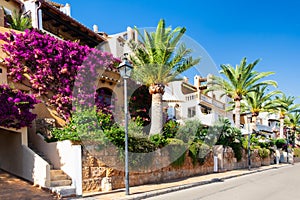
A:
x: 106, y: 165
x: 179, y: 151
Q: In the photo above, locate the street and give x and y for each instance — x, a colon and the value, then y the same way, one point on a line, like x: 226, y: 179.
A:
x: 273, y: 184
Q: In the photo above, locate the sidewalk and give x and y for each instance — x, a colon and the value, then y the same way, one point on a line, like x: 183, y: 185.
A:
x: 143, y: 191
x: 12, y: 187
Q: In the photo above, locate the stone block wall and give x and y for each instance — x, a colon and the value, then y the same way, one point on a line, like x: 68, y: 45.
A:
x: 107, y: 164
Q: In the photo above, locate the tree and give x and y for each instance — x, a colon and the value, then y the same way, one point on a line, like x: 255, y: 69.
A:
x: 293, y: 121
x: 260, y: 100
x: 15, y: 108
x: 18, y: 20
x: 286, y: 105
x: 158, y: 59
x: 54, y: 70
x: 239, y: 81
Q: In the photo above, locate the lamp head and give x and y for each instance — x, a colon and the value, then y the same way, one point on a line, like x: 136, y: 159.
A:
x: 125, y: 68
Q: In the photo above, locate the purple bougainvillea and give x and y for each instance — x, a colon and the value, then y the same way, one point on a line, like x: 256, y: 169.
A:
x: 52, y: 68
x: 15, y: 108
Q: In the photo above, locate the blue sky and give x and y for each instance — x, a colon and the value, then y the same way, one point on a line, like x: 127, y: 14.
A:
x: 227, y: 30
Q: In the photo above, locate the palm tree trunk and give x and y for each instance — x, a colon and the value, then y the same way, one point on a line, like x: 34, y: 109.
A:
x: 237, y: 113
x: 254, y: 121
x: 156, y: 114
x: 157, y: 91
x: 281, y: 127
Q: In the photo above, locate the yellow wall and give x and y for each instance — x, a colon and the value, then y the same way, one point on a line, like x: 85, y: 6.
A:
x: 3, y: 75
x: 11, y: 5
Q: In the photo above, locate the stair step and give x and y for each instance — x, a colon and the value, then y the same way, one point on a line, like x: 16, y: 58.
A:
x: 60, y: 183
x: 58, y: 177
x: 54, y: 172
x: 64, y: 191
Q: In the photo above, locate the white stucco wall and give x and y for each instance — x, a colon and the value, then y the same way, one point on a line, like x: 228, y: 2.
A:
x: 62, y: 155
x: 174, y: 94
x: 18, y: 159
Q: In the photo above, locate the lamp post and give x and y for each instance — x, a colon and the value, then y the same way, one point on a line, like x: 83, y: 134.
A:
x: 249, y: 117
x: 287, y: 144
x: 125, y: 69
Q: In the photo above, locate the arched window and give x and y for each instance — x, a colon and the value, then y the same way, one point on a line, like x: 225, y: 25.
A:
x: 104, y: 99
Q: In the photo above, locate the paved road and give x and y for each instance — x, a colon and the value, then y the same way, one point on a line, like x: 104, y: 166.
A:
x: 277, y: 184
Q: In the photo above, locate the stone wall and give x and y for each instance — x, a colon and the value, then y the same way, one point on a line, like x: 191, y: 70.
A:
x: 106, y: 166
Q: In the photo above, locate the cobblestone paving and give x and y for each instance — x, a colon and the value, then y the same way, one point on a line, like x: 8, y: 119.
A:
x: 13, y: 188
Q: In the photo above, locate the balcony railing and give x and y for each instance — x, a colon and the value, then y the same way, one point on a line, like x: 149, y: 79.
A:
x: 212, y: 101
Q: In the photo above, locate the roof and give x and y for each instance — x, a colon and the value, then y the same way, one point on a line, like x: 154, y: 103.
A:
x: 68, y: 25
x: 169, y: 96
x: 58, y: 5
x: 18, y: 1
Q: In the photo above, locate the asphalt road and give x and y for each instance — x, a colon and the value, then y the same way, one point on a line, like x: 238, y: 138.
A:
x: 276, y: 184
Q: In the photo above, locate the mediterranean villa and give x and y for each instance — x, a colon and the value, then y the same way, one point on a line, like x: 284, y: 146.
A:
x: 64, y: 167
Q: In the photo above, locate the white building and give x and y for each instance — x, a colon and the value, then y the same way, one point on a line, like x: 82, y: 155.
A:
x: 186, y: 101
x: 267, y: 124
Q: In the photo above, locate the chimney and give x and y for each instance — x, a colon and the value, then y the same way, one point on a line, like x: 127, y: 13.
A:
x: 196, y: 81
x: 95, y: 28
x: 68, y: 9
x: 185, y: 79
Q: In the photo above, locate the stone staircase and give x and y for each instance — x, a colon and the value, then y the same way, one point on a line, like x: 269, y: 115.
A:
x: 60, y: 182
x: 58, y: 178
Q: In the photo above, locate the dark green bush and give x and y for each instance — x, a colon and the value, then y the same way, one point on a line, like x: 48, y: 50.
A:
x: 198, y: 151
x: 170, y: 129
x: 191, y: 130
x: 231, y: 137
x: 280, y: 143
x: 159, y: 140
x: 177, y: 149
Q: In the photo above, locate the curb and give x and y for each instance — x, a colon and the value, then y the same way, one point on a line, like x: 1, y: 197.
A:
x: 190, y: 185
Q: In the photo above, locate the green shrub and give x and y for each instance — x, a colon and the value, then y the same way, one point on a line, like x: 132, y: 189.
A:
x: 170, y: 129
x: 231, y: 137
x: 159, y: 140
x: 135, y: 128
x: 191, y: 130
x: 177, y: 149
x: 297, y: 152
x: 237, y: 149
x: 280, y: 143
x: 85, y: 124
x: 263, y: 152
x: 198, y: 150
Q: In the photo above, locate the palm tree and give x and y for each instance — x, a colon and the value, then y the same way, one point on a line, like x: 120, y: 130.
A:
x: 260, y: 100
x: 158, y: 59
x: 239, y: 81
x: 286, y: 105
x: 293, y: 121
x: 17, y: 20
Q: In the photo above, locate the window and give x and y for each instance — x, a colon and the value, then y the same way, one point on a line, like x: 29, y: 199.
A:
x: 0, y: 70
x: 191, y: 112
x: 7, y: 17
x: 104, y: 98
x: 205, y: 109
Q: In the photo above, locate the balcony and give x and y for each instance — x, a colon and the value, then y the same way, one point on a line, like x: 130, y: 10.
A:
x: 208, y: 101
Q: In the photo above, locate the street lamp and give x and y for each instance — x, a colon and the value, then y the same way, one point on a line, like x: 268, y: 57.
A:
x: 249, y: 117
x: 287, y: 144
x: 125, y: 69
